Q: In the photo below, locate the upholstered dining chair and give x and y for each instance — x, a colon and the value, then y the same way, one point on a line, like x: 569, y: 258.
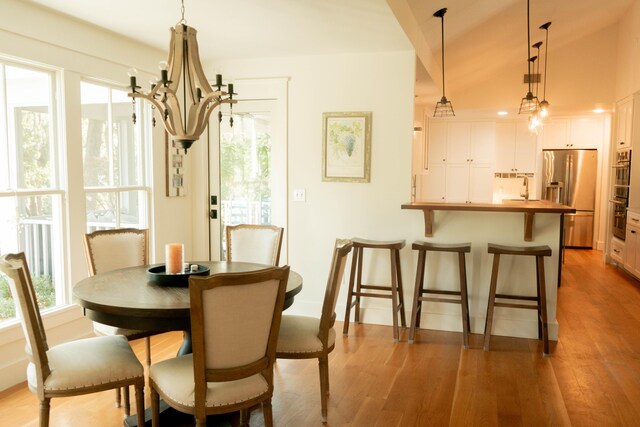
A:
x: 235, y: 318
x: 259, y: 244
x: 108, y: 250
x: 303, y: 337
x: 73, y: 368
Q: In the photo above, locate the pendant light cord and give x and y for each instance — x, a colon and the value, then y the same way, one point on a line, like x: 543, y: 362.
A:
x: 546, y: 59
x: 528, y: 48
x: 443, y: 92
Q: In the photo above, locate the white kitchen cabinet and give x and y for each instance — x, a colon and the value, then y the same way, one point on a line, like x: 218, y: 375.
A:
x: 624, y: 122
x: 431, y: 187
x: 471, y: 142
x: 457, y: 183
x: 481, y: 183
x: 632, y: 244
x: 617, y: 250
x: 437, y: 142
x: 515, y: 148
x: 574, y: 133
x: 469, y: 184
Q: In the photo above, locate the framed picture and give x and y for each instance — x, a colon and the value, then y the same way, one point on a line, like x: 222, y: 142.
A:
x: 346, y: 146
x: 174, y: 158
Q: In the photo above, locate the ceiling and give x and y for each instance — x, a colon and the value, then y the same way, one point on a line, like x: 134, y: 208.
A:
x: 481, y: 36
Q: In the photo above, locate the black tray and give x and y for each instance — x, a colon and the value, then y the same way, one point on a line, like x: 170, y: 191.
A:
x: 157, y: 274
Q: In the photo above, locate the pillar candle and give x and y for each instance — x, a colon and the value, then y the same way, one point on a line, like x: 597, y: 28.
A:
x: 174, y: 257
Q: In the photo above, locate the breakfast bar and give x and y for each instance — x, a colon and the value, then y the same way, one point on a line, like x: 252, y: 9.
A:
x: 516, y: 222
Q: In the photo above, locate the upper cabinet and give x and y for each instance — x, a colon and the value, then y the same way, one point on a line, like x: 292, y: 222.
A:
x: 515, y: 148
x: 624, y: 122
x: 573, y: 133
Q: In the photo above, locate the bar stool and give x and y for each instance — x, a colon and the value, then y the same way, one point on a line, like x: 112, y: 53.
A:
x: 463, y: 300
x: 395, y: 289
x: 540, y: 299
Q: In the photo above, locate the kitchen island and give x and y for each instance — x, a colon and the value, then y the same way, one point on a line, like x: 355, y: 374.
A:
x: 511, y: 222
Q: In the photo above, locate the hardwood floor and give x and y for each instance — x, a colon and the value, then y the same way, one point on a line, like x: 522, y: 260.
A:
x: 592, y: 377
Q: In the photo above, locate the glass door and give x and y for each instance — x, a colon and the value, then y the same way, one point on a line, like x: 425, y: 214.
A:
x: 251, y: 172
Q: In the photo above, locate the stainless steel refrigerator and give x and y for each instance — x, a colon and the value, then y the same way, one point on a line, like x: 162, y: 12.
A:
x: 569, y: 178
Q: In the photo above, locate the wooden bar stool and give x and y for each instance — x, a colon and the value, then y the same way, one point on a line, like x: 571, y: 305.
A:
x: 540, y: 299
x: 463, y: 300
x: 394, y: 290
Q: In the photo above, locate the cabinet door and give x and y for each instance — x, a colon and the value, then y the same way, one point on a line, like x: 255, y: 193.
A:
x: 505, y: 146
x: 437, y: 143
x: 457, y: 183
x: 431, y: 184
x: 555, y: 134
x: 480, y: 183
x: 458, y: 141
x: 586, y: 132
x: 624, y: 122
x: 482, y: 148
x: 631, y: 255
x: 526, y: 149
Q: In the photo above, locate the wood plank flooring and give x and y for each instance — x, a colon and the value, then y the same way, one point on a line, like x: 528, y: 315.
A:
x: 592, y: 377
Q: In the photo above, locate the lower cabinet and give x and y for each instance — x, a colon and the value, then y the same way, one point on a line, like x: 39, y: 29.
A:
x: 617, y: 250
x: 632, y: 244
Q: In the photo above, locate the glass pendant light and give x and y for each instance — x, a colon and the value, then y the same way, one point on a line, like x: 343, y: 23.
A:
x: 444, y: 107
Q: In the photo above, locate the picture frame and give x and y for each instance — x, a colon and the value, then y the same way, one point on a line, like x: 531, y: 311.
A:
x: 346, y: 146
x: 175, y: 167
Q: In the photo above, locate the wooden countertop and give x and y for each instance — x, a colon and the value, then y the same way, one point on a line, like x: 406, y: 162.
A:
x: 528, y: 207
x: 513, y: 205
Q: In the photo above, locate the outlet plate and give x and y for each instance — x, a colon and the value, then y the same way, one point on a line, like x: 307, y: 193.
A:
x: 299, y: 195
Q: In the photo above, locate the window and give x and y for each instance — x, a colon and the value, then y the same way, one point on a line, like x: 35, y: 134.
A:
x: 31, y: 195
x: 115, y: 159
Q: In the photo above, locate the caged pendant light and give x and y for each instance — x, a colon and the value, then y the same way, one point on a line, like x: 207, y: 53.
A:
x: 529, y: 103
x: 544, y: 104
x: 443, y: 107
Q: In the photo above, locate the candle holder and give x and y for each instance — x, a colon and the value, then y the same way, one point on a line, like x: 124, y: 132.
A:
x: 158, y: 274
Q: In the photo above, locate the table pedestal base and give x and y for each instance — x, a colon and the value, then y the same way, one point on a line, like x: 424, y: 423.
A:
x: 173, y: 418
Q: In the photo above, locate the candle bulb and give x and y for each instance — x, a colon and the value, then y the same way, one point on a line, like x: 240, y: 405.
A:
x: 231, y: 89
x: 218, y: 80
x: 174, y: 258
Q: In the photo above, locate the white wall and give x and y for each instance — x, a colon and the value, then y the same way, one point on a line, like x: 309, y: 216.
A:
x: 382, y: 84
x: 628, y: 53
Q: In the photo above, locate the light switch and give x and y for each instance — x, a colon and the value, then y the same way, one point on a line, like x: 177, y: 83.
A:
x: 299, y: 195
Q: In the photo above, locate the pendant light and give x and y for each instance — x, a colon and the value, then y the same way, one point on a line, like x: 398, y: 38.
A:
x: 535, y: 119
x: 529, y: 103
x: 544, y: 104
x: 444, y: 107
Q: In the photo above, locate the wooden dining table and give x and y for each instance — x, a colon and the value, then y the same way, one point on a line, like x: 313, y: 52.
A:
x: 129, y: 298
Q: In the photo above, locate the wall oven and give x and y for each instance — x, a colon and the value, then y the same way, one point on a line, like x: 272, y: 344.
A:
x: 620, y: 196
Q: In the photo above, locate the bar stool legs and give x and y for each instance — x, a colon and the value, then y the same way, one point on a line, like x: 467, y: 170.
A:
x: 357, y: 289
x: 539, y: 252
x: 419, y: 290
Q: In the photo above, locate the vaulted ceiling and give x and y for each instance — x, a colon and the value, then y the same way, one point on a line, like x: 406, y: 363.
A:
x: 481, y: 36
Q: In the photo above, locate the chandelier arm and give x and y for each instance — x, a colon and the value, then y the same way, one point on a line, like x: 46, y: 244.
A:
x: 159, y: 106
x: 205, y: 112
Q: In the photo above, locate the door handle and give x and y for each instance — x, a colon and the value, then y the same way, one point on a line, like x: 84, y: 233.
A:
x: 213, y: 214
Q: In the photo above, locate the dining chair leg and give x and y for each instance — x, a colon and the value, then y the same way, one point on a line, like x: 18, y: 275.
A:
x: 155, y: 408
x: 125, y: 401
x: 323, y: 365
x: 245, y: 414
x: 148, y: 345
x: 44, y: 412
x: 140, y: 403
x: 118, y: 397
x: 201, y: 423
x: 267, y: 412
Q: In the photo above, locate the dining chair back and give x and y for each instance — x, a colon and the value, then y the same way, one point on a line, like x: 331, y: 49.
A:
x: 108, y: 250
x: 73, y: 368
x: 303, y: 337
x: 235, y: 319
x: 258, y: 244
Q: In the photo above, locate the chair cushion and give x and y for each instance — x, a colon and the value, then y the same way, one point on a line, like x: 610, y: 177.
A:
x: 299, y: 334
x: 174, y: 381
x: 89, y: 362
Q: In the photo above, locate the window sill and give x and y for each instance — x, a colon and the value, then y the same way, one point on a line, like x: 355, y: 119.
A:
x: 11, y: 331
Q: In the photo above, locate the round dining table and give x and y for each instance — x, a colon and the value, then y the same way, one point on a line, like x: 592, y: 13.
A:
x: 129, y: 298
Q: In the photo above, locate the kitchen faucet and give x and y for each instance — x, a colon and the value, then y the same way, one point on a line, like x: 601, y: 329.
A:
x: 525, y: 184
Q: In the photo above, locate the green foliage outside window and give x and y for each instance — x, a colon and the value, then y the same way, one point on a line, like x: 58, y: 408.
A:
x: 45, y: 292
